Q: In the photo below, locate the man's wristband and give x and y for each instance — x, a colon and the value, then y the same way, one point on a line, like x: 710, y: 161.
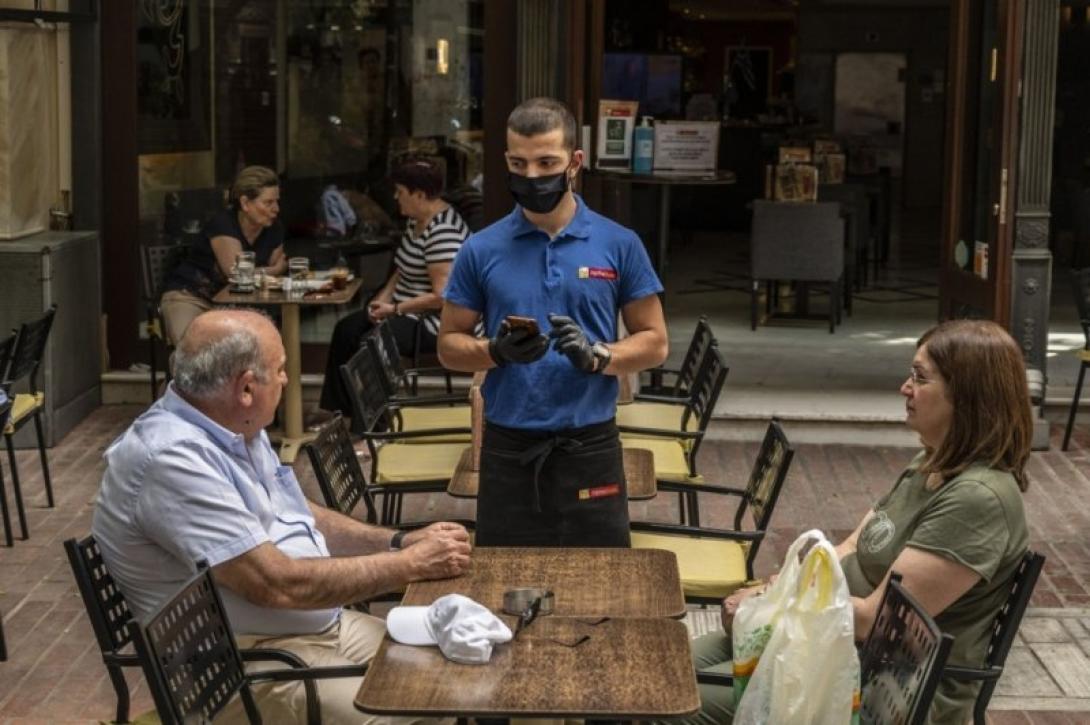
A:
x: 395, y: 540
x: 397, y: 309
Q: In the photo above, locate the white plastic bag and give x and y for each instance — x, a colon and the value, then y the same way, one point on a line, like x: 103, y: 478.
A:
x: 757, y: 615
x: 808, y: 673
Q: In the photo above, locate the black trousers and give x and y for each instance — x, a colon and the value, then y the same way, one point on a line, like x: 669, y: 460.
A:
x: 348, y: 336
x: 562, y: 488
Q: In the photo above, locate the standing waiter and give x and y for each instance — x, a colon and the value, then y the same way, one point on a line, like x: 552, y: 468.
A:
x: 552, y: 472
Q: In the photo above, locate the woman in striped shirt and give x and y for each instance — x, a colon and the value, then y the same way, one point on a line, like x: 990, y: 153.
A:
x: 412, y: 297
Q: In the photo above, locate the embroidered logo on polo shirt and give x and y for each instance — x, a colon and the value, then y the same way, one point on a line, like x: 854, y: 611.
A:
x: 597, y: 273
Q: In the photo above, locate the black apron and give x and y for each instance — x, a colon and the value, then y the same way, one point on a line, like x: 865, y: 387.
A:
x: 563, y: 488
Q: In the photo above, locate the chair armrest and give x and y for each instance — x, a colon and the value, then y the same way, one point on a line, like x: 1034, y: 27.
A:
x: 697, y: 531
x: 308, y: 673
x: 425, y: 401
x: 662, y: 432
x: 971, y: 674
x: 702, y: 488
x: 668, y: 399
x: 722, y: 679
x: 265, y: 654
x: 424, y: 433
x: 427, y: 371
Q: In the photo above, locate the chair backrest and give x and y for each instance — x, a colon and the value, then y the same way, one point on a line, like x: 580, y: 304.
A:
x: 7, y: 347
x: 1080, y: 286
x: 29, y: 350
x: 156, y: 261
x: 393, y: 372
x: 703, y: 339
x: 901, y: 660
x: 105, y: 604
x: 338, y: 470
x: 705, y: 388
x: 766, y: 479
x: 190, y: 659
x: 1010, y: 614
x: 797, y: 241
x: 362, y: 376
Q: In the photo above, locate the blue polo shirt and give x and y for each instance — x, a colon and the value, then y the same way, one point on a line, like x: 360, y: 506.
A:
x: 589, y: 271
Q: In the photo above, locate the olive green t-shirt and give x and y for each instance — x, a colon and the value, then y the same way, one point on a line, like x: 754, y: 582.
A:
x: 975, y: 519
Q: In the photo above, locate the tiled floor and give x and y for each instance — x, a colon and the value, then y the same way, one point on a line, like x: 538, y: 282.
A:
x: 54, y: 673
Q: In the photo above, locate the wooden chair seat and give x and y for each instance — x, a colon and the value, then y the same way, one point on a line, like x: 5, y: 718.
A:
x: 671, y: 461
x: 22, y: 408
x: 414, y: 462
x: 457, y: 416
x: 709, y: 568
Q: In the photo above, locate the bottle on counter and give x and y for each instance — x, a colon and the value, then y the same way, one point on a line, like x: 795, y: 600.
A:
x: 643, y: 147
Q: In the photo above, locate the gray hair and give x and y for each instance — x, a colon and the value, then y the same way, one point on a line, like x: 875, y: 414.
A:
x: 202, y: 372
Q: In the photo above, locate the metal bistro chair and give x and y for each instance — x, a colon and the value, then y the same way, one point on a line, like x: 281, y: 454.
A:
x: 715, y: 562
x: 1003, y: 631
x: 404, y: 381
x: 194, y: 667
x: 23, y: 364
x: 901, y: 660
x: 156, y: 261
x: 5, y: 411
x: 338, y: 471
x: 1080, y: 285
x: 402, y: 461
x: 108, y: 612
x: 702, y: 339
x: 675, y: 448
x: 799, y: 241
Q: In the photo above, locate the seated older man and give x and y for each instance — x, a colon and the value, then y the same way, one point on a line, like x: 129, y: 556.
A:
x: 195, y: 479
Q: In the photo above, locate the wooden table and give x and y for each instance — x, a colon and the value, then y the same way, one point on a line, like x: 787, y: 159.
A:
x: 636, y: 663
x: 293, y: 436
x: 639, y: 474
x: 629, y: 668
x: 586, y: 582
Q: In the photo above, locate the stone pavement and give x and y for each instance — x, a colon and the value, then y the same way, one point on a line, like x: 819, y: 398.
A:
x: 55, y: 674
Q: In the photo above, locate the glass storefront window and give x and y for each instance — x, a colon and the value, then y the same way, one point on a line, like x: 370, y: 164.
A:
x: 323, y: 91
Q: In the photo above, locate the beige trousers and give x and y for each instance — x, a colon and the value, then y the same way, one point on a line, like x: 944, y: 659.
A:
x: 354, y: 640
x: 178, y: 308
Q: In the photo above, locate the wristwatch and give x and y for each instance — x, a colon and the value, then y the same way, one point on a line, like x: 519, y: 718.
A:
x: 602, y: 354
x: 395, y: 540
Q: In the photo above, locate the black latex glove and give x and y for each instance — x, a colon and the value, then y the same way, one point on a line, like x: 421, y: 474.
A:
x: 516, y: 346
x: 569, y: 339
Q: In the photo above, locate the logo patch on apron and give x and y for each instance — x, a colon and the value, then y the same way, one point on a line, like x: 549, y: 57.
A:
x: 609, y: 489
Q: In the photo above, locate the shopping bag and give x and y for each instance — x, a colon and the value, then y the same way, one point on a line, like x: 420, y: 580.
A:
x: 808, y: 673
x: 756, y: 616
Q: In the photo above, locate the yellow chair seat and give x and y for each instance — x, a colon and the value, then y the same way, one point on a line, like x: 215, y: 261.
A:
x: 671, y: 463
x: 643, y: 414
x: 1084, y: 355
x: 437, y: 417
x: 405, y: 463
x: 708, y: 567
x: 24, y: 405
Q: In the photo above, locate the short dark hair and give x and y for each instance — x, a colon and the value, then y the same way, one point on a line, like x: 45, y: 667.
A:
x: 419, y: 174
x: 536, y: 116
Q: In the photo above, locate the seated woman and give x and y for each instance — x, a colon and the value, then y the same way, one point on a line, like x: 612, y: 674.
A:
x: 952, y: 525
x: 413, y: 295
x: 248, y: 224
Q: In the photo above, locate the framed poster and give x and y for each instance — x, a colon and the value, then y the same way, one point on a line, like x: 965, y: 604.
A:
x: 749, y: 73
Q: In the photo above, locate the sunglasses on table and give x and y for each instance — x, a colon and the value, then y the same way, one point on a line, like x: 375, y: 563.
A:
x: 530, y: 614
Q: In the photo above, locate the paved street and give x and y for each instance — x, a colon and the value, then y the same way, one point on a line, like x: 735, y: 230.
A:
x: 55, y: 674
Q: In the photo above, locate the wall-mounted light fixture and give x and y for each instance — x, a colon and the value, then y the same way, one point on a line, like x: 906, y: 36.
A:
x: 442, y: 56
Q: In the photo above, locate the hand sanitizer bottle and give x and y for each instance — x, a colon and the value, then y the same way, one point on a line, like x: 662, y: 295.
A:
x: 643, y: 147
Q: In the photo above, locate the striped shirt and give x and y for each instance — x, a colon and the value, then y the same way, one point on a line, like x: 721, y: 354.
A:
x: 438, y: 243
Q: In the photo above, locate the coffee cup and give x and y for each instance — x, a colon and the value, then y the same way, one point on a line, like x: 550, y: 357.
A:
x: 339, y: 277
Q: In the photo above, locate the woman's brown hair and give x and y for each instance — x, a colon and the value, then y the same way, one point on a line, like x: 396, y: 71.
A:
x: 250, y: 181
x: 985, y: 379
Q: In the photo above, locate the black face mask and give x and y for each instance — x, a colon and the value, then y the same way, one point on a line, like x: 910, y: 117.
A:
x: 540, y: 194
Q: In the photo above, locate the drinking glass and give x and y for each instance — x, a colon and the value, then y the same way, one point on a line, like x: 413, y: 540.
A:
x: 298, y: 271
x: 244, y: 272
